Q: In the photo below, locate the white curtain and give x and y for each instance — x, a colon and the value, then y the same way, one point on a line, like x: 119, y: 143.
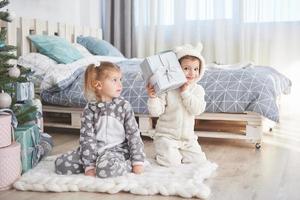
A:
x: 265, y: 32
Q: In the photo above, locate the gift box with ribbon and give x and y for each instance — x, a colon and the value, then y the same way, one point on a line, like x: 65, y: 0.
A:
x: 163, y: 71
x: 24, y: 91
x: 29, y: 137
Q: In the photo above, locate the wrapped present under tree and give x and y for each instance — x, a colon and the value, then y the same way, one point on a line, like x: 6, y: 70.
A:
x: 24, y: 91
x: 29, y: 138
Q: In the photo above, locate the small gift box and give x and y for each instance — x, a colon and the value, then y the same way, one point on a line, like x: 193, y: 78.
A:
x: 163, y: 71
x: 29, y: 137
x: 24, y: 91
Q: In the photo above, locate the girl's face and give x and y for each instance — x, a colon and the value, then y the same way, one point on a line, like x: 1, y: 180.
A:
x: 191, y: 69
x: 110, y: 87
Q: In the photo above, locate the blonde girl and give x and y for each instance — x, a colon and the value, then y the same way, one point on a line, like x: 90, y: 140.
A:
x: 110, y: 142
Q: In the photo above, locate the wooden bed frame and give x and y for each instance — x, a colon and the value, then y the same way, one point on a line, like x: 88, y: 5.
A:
x: 255, y: 124
x: 67, y: 117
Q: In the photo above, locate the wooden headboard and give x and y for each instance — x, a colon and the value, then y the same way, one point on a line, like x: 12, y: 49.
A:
x: 20, y: 28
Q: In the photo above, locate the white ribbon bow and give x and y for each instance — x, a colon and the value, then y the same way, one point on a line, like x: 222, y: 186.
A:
x: 166, y: 70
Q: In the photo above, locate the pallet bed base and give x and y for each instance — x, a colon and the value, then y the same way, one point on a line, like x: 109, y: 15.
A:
x: 256, y: 125
x: 67, y: 117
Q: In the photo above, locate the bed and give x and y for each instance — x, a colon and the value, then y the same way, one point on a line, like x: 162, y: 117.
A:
x: 242, y: 93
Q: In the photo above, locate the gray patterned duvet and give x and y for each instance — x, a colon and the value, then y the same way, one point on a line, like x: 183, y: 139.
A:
x: 250, y: 88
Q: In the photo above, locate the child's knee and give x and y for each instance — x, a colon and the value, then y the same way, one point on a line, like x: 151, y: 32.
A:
x: 193, y: 154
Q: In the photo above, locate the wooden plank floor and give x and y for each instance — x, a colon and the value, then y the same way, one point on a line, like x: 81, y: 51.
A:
x: 244, y: 172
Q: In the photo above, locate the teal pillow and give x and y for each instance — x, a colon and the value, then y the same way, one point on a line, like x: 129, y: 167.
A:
x: 56, y: 48
x: 98, y: 47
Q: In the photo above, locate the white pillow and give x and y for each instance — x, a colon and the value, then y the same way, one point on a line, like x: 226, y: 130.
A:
x: 38, y: 63
x: 83, y: 51
x: 62, y: 72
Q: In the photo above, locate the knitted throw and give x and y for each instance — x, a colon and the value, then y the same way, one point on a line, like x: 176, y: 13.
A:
x: 185, y: 180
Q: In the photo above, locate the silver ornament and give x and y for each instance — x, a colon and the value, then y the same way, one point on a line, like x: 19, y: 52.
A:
x: 14, y: 72
x: 5, y: 100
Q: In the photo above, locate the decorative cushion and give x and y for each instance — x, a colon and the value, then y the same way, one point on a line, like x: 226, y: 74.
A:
x: 56, y: 48
x: 98, y: 47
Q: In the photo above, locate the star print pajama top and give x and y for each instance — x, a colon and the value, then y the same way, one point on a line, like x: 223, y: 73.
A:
x: 110, y: 141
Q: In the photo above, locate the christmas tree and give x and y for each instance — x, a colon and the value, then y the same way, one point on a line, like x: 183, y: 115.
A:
x: 10, y: 73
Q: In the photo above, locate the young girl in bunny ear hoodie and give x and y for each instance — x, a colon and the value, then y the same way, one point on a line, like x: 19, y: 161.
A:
x: 174, y: 139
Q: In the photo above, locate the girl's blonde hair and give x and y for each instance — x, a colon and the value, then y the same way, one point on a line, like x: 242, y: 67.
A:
x: 94, y: 73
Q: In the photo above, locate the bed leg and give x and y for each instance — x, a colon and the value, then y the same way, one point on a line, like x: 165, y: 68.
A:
x: 145, y: 125
x: 254, y: 133
x: 75, y: 120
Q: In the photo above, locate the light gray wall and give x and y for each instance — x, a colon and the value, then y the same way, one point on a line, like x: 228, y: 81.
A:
x: 77, y: 12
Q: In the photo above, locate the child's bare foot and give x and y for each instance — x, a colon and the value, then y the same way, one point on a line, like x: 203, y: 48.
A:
x: 137, y: 169
x: 91, y: 172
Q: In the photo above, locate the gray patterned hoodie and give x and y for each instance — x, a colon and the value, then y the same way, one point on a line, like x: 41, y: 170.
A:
x: 108, y: 124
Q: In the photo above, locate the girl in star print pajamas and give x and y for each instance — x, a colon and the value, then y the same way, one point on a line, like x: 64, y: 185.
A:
x: 110, y: 142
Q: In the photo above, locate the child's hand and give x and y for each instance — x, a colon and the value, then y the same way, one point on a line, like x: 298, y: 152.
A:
x: 151, y: 91
x: 184, y: 87
x: 90, y: 172
x: 137, y: 169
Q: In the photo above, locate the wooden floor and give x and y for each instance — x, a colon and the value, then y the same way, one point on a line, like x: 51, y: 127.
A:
x: 244, y: 172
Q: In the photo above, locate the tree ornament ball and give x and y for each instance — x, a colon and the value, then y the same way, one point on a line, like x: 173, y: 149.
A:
x: 14, y: 72
x: 5, y: 100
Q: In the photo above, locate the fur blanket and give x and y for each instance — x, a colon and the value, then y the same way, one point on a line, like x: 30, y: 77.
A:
x: 185, y: 180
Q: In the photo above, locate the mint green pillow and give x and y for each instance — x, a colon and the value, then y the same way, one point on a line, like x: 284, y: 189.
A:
x: 98, y: 47
x: 56, y: 48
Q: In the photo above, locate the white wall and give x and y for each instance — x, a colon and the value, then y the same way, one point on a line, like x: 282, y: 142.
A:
x: 77, y: 12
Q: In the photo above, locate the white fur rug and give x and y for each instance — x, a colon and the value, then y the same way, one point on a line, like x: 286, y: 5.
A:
x: 185, y: 180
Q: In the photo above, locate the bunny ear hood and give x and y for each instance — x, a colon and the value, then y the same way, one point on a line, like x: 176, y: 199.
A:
x: 189, y: 50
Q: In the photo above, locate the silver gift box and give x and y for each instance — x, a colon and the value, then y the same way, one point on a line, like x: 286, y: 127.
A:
x: 163, y: 71
x: 24, y: 91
